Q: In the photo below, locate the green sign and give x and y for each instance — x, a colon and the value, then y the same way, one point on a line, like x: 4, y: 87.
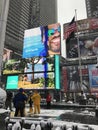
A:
x: 57, y: 71
x: 12, y: 82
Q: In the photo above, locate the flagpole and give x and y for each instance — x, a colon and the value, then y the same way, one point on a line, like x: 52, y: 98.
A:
x: 79, y: 55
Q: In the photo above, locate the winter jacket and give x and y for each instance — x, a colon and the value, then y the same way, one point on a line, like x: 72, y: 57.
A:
x: 19, y: 98
x: 36, y: 98
x: 48, y: 98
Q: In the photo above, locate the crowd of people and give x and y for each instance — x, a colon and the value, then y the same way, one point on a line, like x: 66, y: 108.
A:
x: 21, y: 98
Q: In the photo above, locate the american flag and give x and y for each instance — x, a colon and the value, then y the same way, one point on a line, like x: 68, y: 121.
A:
x: 70, y: 28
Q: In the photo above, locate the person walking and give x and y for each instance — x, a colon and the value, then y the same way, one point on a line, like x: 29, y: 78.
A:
x: 36, y: 98
x: 19, y: 102
x: 48, y: 100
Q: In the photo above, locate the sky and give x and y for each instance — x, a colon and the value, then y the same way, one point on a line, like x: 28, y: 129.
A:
x: 66, y: 10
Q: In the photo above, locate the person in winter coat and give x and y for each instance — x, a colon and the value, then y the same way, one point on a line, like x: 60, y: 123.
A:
x: 19, y: 102
x: 48, y: 100
x: 36, y: 101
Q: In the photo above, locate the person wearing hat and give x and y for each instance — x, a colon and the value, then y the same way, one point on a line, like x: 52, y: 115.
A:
x: 19, y: 102
x: 36, y: 98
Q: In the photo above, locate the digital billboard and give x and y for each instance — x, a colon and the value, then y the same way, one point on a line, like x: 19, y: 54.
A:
x: 12, y: 82
x: 17, y: 66
x: 31, y: 81
x: 34, y: 45
x: 14, y: 66
x: 54, y: 39
x: 42, y: 41
x: 36, y: 81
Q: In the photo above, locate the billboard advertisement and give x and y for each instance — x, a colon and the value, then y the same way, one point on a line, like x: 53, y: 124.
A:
x: 64, y: 79
x: 12, y: 82
x: 88, y: 47
x: 36, y: 81
x: 36, y: 74
x: 31, y: 81
x: 82, y: 25
x: 93, y: 77
x: 73, y: 79
x: 17, y: 66
x: 42, y: 41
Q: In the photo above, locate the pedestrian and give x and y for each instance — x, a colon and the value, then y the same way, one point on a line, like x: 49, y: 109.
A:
x: 83, y: 98
x: 30, y: 102
x: 8, y: 102
x: 19, y: 102
x: 36, y: 101
x: 48, y: 100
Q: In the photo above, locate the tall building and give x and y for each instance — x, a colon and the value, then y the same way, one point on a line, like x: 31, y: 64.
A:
x: 26, y: 14
x: 19, y: 15
x: 92, y: 8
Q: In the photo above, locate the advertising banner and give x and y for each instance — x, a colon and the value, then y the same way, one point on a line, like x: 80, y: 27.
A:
x: 33, y: 43
x: 80, y: 26
x: 42, y: 41
x: 73, y: 79
x: 93, y: 77
x: 36, y: 81
x: 12, y: 82
x: 88, y: 47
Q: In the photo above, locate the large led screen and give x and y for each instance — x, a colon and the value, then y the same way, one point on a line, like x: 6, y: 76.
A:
x: 13, y: 66
x: 42, y: 41
x: 16, y: 66
x: 36, y: 81
x: 31, y: 81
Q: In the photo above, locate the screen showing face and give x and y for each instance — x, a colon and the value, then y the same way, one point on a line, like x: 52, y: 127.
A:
x: 54, y: 39
x: 42, y: 41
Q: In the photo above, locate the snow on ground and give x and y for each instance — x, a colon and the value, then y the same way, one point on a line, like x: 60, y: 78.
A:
x: 3, y: 110
x: 54, y: 113
x: 51, y: 116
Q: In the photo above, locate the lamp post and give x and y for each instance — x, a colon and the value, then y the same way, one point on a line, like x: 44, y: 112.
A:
x: 79, y: 55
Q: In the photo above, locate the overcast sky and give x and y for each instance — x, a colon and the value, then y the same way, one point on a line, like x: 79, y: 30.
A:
x: 66, y: 10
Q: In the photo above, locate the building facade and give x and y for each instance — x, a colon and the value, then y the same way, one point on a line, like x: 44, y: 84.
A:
x: 92, y: 8
x: 19, y: 15
x: 26, y: 14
